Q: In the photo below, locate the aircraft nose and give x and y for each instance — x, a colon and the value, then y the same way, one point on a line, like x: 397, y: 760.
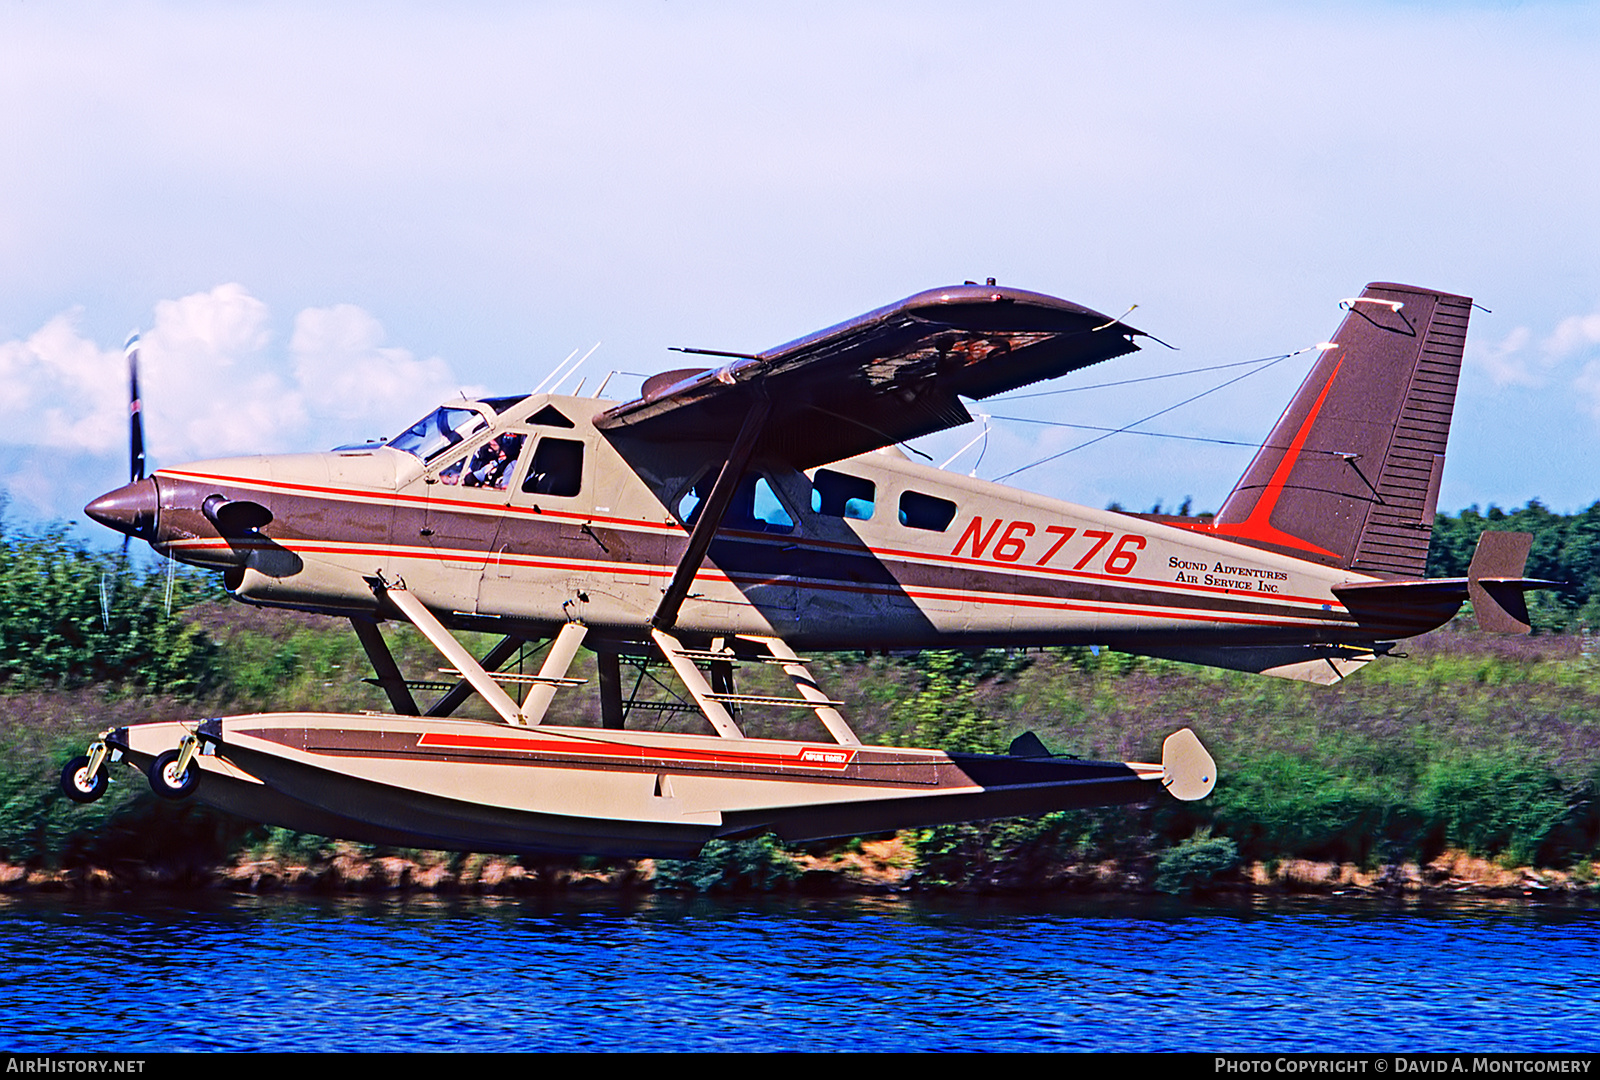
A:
x: 131, y: 509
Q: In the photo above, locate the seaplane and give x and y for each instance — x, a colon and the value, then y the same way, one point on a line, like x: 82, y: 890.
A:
x: 732, y: 517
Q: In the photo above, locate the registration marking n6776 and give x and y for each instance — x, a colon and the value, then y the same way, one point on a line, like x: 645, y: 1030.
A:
x: 1014, y: 539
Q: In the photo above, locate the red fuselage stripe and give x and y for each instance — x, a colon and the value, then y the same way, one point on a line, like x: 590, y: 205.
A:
x: 983, y: 598
x: 934, y: 558
x: 831, y: 759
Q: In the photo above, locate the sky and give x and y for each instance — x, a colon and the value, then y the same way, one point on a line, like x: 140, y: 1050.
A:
x: 327, y: 218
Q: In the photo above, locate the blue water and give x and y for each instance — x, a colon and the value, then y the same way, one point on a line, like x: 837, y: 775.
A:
x: 289, y: 973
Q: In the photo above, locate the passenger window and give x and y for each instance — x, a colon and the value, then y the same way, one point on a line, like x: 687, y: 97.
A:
x: 556, y: 469
x: 843, y: 496
x: 767, y: 510
x: 755, y: 506
x: 919, y: 511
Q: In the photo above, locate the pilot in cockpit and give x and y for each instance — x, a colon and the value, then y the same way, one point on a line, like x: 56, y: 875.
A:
x: 491, y: 466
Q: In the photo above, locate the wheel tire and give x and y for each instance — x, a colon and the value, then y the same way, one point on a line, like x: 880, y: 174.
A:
x: 78, y: 785
x: 165, y: 781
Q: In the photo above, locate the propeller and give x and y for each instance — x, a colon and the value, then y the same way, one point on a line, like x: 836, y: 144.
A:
x: 135, y: 416
x: 136, y: 466
x: 136, y: 458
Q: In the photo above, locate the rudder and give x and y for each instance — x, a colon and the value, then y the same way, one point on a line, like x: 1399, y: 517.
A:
x: 1350, y: 474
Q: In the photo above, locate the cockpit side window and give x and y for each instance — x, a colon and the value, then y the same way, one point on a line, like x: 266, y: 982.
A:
x: 490, y: 466
x: 556, y: 469
x: 438, y: 431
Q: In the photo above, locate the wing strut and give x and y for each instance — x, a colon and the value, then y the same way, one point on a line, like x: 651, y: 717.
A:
x: 711, y: 515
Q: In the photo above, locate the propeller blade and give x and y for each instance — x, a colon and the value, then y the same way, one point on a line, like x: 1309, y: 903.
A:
x: 135, y: 414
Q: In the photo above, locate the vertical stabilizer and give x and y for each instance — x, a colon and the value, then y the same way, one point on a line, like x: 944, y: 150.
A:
x: 1350, y: 474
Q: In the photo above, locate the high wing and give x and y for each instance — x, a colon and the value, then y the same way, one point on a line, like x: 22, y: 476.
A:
x: 889, y: 375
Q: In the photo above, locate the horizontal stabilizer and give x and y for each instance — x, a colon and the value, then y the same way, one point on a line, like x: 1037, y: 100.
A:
x: 1494, y: 583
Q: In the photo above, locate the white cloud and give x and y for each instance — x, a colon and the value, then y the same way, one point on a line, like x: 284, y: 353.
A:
x: 1587, y: 384
x: 1576, y: 338
x: 1508, y: 364
x: 58, y: 390
x: 210, y: 385
x: 1564, y: 357
x: 345, y: 373
x: 1575, y: 332
x: 215, y: 382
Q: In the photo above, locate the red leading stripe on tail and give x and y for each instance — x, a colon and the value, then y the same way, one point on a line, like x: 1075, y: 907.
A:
x: 1258, y: 525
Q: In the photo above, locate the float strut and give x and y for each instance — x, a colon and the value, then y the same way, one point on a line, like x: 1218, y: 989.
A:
x: 554, y: 669
x: 441, y: 639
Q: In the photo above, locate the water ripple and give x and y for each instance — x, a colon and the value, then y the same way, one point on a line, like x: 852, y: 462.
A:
x: 246, y: 973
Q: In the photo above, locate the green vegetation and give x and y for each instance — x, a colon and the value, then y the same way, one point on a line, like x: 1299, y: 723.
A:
x: 758, y: 865
x: 1196, y: 864
x: 72, y: 616
x: 1483, y: 745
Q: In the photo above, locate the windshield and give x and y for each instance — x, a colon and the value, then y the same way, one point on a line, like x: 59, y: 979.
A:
x: 438, y: 431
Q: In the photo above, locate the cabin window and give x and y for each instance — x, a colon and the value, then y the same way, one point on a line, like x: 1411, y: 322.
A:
x: 919, y: 511
x: 754, y: 508
x: 766, y: 512
x: 841, y: 495
x: 556, y: 469
x: 689, y: 505
x: 438, y: 431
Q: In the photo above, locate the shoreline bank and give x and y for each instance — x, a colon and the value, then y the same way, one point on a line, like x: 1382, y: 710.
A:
x: 880, y: 867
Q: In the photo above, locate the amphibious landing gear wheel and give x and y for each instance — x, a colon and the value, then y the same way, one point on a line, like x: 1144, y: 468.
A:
x: 165, y: 781
x: 79, y: 785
